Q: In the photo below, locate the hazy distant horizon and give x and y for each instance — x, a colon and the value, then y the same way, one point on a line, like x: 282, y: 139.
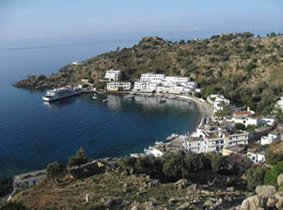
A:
x: 71, y: 20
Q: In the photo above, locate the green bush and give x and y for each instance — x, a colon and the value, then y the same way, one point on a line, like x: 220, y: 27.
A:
x: 240, y: 126
x: 78, y: 159
x: 216, y: 161
x: 173, y: 166
x: 271, y: 175
x: 55, y: 169
x: 12, y: 206
x: 272, y: 157
x: 127, y: 162
x: 255, y: 176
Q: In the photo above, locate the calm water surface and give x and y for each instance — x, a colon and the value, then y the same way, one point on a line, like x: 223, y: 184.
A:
x: 33, y: 133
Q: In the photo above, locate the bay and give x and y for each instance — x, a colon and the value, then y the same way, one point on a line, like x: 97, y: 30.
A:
x: 33, y: 133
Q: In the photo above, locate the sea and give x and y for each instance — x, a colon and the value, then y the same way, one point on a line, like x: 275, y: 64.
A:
x: 34, y: 133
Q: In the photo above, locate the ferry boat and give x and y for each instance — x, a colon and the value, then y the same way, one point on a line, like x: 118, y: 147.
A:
x: 60, y: 93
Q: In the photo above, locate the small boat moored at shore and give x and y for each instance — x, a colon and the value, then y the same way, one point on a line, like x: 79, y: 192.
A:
x: 61, y: 93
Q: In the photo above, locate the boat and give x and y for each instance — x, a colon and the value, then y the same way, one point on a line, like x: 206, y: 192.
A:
x: 60, y: 93
x: 104, y: 100
x: 162, y: 101
x: 94, y: 97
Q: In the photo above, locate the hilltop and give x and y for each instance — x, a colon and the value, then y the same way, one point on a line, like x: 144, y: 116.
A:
x: 246, y: 69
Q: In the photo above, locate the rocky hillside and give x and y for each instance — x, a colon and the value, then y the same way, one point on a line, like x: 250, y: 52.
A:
x: 119, y: 190
x: 246, y: 69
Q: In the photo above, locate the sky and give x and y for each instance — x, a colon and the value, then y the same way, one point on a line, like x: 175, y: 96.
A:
x: 108, y: 19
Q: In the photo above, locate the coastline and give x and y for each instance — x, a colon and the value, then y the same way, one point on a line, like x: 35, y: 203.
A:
x: 174, y: 141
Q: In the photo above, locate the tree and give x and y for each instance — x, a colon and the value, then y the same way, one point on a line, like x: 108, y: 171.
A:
x: 216, y: 161
x: 100, y: 85
x: 172, y: 166
x: 78, y: 159
x: 127, y: 162
x: 55, y: 169
x: 225, y: 111
x: 279, y: 115
x: 240, y: 126
x: 255, y: 176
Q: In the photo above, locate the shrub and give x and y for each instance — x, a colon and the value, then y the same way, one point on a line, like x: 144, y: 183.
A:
x: 12, y: 206
x: 272, y: 157
x: 216, y: 161
x: 78, y: 159
x: 55, y: 169
x: 271, y: 175
x: 240, y: 126
x: 255, y: 176
x: 173, y: 166
x: 127, y: 162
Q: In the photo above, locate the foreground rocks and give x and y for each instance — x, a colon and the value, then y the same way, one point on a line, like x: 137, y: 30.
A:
x: 266, y: 197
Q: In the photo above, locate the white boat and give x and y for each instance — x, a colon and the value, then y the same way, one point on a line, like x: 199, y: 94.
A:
x: 94, y: 97
x: 60, y: 93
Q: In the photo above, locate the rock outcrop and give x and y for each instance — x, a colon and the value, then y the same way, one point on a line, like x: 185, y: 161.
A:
x: 266, y: 198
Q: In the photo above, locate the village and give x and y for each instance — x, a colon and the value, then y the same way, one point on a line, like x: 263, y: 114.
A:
x: 237, y: 132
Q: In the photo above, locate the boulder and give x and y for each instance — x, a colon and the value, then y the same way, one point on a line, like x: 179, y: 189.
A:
x: 265, y: 191
x: 184, y: 206
x: 280, y: 180
x: 113, y: 202
x: 182, y: 183
x: 271, y: 201
x: 253, y: 202
x: 208, y: 204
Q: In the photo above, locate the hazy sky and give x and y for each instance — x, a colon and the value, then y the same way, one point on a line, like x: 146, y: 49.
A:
x: 37, y: 19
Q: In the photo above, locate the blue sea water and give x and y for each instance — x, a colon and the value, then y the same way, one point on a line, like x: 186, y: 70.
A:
x: 33, y: 134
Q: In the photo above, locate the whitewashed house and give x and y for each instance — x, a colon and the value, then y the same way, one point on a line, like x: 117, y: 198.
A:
x: 279, y: 103
x: 195, y: 145
x: 116, y: 86
x: 28, y: 179
x: 113, y: 75
x: 217, y: 101
x: 247, y: 121
x: 270, y: 138
x: 152, y: 78
x: 214, y: 141
x: 176, y: 90
x: 256, y: 155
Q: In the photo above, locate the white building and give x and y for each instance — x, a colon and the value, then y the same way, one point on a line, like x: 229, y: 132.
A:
x: 112, y: 75
x: 152, y: 78
x: 28, y: 179
x: 247, y: 121
x: 279, y: 103
x: 176, y: 90
x: 218, y: 101
x: 270, y: 138
x: 256, y: 155
x: 195, y: 145
x: 236, y: 139
x: 115, y: 86
x: 214, y: 141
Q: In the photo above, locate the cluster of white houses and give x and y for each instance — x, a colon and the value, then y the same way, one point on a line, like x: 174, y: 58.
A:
x: 150, y: 82
x: 160, y: 83
x: 219, y: 136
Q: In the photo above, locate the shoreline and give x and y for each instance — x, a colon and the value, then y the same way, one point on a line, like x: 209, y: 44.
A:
x: 174, y: 141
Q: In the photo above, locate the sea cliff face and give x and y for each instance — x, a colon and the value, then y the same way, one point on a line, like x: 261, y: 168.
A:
x: 246, y: 69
